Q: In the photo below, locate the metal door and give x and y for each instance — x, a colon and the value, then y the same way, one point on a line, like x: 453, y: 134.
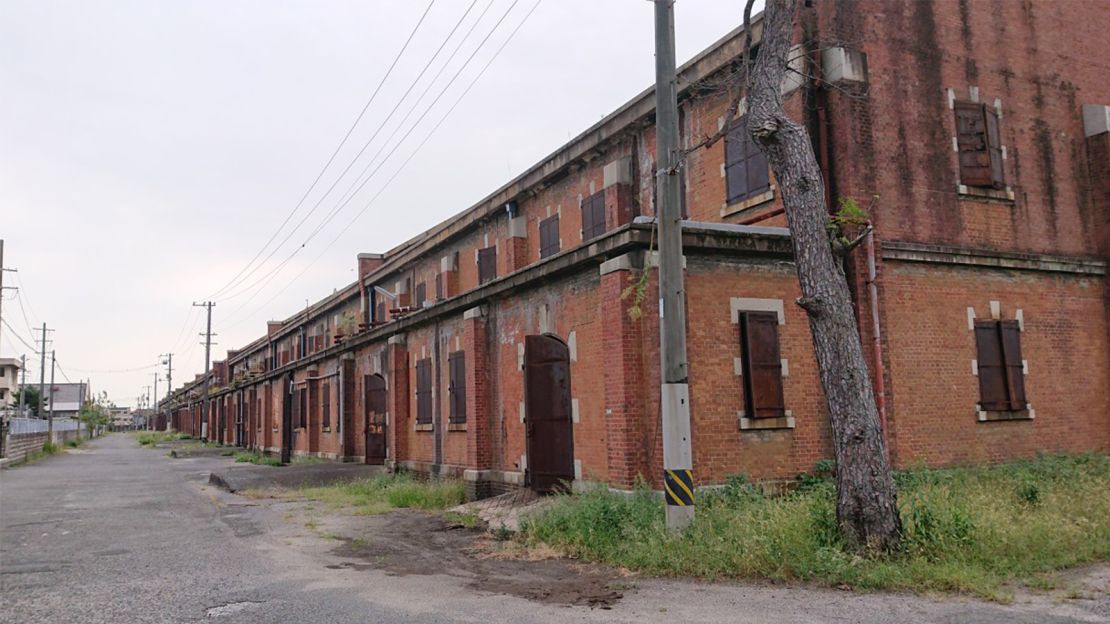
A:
x: 374, y: 402
x: 548, y: 428
x: 287, y: 421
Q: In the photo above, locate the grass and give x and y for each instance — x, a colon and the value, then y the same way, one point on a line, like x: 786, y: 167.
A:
x: 256, y: 458
x: 304, y: 460
x: 152, y: 438
x: 973, y: 530
x: 382, y: 493
x: 76, y: 442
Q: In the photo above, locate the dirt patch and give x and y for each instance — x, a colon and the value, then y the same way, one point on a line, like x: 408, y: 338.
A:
x: 409, y: 542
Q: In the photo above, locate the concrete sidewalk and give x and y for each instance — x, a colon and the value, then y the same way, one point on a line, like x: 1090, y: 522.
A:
x: 244, y: 476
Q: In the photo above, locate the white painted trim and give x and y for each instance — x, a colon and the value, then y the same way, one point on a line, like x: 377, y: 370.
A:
x: 1019, y: 316
x: 572, y: 345
x: 738, y: 366
x: 970, y: 318
x: 975, y: 368
x: 577, y: 469
x: 744, y: 304
x: 785, y: 368
x: 574, y: 414
x: 522, y: 411
x: 996, y: 310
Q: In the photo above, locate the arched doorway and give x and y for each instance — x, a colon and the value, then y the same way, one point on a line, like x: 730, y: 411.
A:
x: 548, y: 428
x: 374, y: 405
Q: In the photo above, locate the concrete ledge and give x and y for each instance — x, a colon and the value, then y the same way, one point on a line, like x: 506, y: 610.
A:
x: 764, y: 424
x: 942, y: 254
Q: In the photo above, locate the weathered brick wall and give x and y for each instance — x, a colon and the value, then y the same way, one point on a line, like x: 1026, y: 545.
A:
x: 932, y: 348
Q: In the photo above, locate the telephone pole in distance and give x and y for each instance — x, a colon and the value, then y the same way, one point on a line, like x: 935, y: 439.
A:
x: 207, y: 361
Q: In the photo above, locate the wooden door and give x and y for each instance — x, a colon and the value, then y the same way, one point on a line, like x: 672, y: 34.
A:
x: 374, y: 402
x: 548, y: 427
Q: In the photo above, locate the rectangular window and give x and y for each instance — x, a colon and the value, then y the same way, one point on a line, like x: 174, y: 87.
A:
x: 979, y: 144
x: 456, y: 387
x: 549, y: 236
x: 439, y: 286
x: 761, y: 365
x: 487, y: 264
x: 424, y: 391
x: 421, y: 295
x: 1001, y: 373
x: 327, y: 405
x: 746, y: 172
x: 593, y: 216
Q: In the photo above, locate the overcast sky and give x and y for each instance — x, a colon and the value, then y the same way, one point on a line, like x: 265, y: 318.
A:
x: 149, y: 149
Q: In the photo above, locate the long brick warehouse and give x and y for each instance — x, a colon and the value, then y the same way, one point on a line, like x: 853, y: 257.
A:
x: 501, y: 345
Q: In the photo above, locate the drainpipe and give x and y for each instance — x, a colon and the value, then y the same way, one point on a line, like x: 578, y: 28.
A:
x: 877, y: 340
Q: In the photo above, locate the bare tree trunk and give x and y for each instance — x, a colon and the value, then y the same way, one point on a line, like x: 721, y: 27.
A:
x: 866, y: 508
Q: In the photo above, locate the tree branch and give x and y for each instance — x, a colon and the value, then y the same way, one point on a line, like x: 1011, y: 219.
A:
x: 843, y: 248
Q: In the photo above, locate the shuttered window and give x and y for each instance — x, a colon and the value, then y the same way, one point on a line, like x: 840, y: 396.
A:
x: 327, y: 405
x: 421, y: 295
x: 1001, y: 374
x: 761, y: 365
x: 439, y: 286
x: 487, y: 264
x: 456, y: 387
x: 424, y: 391
x: 593, y: 216
x: 746, y: 173
x: 549, y: 236
x: 979, y: 145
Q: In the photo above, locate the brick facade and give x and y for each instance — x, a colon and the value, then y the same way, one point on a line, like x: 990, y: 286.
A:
x: 946, y: 253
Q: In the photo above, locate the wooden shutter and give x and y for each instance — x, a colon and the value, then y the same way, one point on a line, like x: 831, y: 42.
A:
x: 424, y: 391
x: 746, y: 169
x: 994, y: 148
x: 487, y: 264
x: 421, y: 295
x: 379, y: 311
x: 972, y: 145
x: 549, y: 236
x: 593, y: 216
x: 993, y: 395
x: 762, y: 365
x: 456, y: 388
x: 1010, y: 339
x: 439, y: 286
x: 327, y: 405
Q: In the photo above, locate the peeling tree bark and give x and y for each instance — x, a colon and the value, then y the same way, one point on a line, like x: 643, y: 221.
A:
x: 866, y: 506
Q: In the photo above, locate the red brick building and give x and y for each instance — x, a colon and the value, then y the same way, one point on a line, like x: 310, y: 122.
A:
x: 505, y: 344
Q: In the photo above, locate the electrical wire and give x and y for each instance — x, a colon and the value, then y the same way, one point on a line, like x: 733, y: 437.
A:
x: 331, y: 216
x: 13, y: 333
x: 335, y: 153
x: 351, y: 164
x: 400, y: 169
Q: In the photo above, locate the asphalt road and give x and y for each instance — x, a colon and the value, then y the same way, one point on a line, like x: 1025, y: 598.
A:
x: 117, y: 533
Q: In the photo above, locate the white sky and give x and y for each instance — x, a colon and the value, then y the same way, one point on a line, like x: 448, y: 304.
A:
x: 148, y: 149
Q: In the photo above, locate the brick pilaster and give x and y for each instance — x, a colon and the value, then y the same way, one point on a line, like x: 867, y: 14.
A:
x: 478, y: 417
x: 398, y: 403
x: 516, y: 253
x: 622, y: 339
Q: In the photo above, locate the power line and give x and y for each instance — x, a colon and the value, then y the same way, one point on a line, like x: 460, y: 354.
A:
x: 335, y: 153
x: 113, y: 371
x: 399, y: 170
x: 385, y: 160
x: 11, y: 330
x: 353, y: 161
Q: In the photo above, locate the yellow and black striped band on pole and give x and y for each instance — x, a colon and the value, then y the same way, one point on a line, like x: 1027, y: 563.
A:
x: 679, y: 487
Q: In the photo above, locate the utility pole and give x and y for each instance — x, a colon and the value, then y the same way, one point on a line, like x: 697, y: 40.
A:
x: 23, y: 386
x: 154, y: 403
x: 42, y: 371
x: 2, y: 286
x: 207, y: 360
x: 50, y: 416
x: 678, y: 460
x: 169, y: 383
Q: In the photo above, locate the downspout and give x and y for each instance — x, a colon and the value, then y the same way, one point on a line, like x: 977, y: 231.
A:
x: 877, y: 340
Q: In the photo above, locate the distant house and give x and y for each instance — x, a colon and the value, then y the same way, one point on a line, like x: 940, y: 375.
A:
x: 9, y: 386
x: 67, y: 399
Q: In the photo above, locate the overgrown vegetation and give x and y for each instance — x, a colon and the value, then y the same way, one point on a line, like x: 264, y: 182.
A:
x: 382, y: 493
x: 152, y: 438
x: 965, y: 530
x: 253, y: 457
x: 76, y: 442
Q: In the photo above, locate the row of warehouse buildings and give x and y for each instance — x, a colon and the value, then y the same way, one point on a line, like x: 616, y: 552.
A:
x: 517, y: 343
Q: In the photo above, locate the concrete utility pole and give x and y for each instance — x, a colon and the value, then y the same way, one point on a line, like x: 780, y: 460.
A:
x: 169, y: 383
x: 678, y: 460
x: 154, y: 403
x: 50, y: 415
x: 23, y: 385
x: 207, y: 361
x: 2, y: 286
x: 42, y: 371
